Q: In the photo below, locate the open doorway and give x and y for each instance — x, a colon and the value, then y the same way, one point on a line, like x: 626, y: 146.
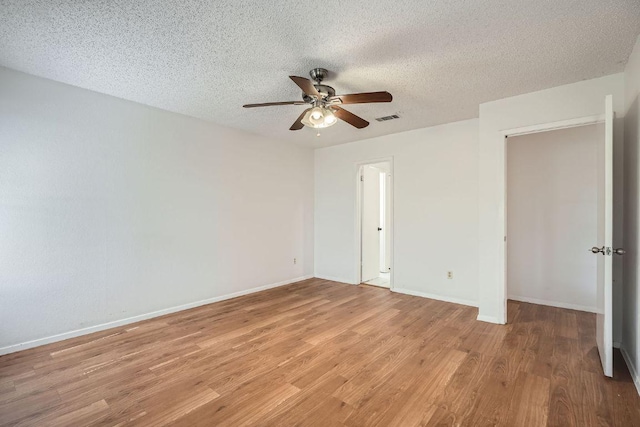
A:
x: 602, y: 248
x: 559, y: 189
x: 375, y: 224
x: 553, y: 180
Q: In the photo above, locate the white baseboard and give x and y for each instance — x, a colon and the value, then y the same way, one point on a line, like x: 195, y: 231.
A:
x: 489, y: 319
x: 434, y: 296
x: 334, y: 279
x: 554, y: 304
x: 632, y: 368
x: 114, y: 324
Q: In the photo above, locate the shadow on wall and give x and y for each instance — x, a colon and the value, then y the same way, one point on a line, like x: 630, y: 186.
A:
x: 632, y: 175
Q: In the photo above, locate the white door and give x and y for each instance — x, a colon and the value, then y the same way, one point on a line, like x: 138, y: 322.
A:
x: 370, y: 223
x: 386, y: 228
x: 604, y: 250
x: 383, y: 222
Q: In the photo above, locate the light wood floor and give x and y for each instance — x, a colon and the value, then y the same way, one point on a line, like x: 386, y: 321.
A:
x: 325, y: 354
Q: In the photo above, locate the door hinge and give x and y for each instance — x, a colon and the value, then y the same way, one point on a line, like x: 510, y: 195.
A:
x: 362, y: 178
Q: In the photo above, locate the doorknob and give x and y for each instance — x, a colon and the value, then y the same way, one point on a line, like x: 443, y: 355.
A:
x: 596, y: 250
x: 619, y: 251
x: 379, y: 229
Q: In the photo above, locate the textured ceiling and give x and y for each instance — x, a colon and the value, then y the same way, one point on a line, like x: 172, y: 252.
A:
x: 438, y: 58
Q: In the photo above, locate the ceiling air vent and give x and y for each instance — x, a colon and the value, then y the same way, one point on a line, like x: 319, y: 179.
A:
x: 385, y: 118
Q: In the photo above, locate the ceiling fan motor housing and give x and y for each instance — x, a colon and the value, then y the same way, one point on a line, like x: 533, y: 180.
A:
x: 325, y: 91
x: 318, y: 75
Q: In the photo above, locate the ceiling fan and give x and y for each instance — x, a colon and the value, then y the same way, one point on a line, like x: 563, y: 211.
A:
x: 324, y: 105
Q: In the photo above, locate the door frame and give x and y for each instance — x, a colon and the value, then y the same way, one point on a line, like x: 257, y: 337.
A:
x: 502, y: 212
x: 358, y: 217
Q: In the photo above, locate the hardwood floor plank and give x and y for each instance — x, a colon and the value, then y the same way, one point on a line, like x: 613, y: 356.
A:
x: 372, y: 375
x: 27, y: 405
x: 431, y: 375
x: 171, y: 413
x: 312, y: 399
x: 494, y: 393
x: 624, y: 407
x: 530, y: 401
x: 443, y: 418
x: 461, y: 392
x: 562, y: 411
x: 566, y: 324
x: 92, y: 413
x: 321, y: 353
x: 414, y: 416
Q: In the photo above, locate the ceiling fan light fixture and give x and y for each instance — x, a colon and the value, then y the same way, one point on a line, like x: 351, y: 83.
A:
x: 319, y: 117
x: 316, y: 113
x: 329, y: 118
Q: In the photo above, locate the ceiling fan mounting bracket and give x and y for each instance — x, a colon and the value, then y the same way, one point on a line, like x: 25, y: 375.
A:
x: 318, y: 74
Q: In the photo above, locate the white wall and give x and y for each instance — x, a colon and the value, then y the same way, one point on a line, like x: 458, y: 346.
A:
x: 631, y: 327
x: 570, y: 101
x: 110, y: 209
x: 435, y: 204
x: 552, y: 217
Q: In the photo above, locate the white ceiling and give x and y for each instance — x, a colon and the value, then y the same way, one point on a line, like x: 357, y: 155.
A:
x: 439, y: 59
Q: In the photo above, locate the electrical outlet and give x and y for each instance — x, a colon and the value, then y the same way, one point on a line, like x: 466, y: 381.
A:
x: 295, y: 261
x: 449, y: 274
